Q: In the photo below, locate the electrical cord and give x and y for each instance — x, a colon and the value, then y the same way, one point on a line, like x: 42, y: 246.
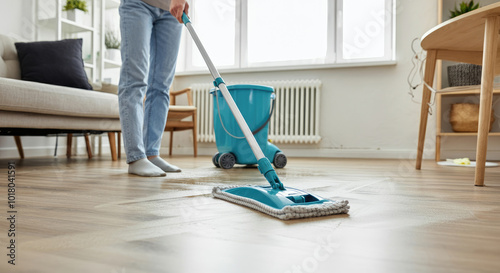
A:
x: 417, y: 72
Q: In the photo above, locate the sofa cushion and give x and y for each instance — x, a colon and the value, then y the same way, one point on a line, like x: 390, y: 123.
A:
x: 40, y: 121
x: 53, y: 62
x: 9, y: 64
x: 32, y: 97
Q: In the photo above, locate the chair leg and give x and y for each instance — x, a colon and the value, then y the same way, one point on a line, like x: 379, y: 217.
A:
x: 195, y: 138
x: 69, y: 142
x: 87, y: 144
x: 171, y: 142
x: 112, y: 145
x: 430, y: 68
x: 19, y: 146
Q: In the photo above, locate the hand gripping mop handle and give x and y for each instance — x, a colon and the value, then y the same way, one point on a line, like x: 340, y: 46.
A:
x: 265, y: 166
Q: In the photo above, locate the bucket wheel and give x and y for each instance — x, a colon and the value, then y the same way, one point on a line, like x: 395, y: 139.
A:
x: 227, y: 160
x: 215, y: 160
x: 279, y: 160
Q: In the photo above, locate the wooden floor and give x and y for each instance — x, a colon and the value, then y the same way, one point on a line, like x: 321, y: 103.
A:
x: 84, y: 215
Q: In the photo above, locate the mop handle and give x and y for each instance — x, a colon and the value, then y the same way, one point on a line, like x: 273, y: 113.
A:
x: 218, y: 82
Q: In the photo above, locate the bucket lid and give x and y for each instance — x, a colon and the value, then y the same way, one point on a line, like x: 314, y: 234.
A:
x: 237, y: 87
x: 250, y: 86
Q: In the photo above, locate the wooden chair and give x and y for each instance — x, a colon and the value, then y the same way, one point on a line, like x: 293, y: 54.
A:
x: 177, y: 115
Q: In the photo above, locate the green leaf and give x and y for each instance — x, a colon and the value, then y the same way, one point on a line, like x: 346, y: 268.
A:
x: 463, y: 7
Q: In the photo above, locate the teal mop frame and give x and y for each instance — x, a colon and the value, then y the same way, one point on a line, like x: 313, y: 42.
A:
x: 275, y: 200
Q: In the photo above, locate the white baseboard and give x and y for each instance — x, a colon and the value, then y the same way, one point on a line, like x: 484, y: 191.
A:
x: 327, y: 153
x: 409, y: 154
x: 48, y: 151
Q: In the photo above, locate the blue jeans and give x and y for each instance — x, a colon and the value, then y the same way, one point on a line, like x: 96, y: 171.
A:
x: 149, y: 48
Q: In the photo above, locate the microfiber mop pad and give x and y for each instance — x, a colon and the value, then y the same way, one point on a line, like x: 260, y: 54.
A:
x: 283, y: 204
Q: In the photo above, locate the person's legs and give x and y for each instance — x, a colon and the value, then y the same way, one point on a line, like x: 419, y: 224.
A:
x: 165, y: 39
x: 136, y: 23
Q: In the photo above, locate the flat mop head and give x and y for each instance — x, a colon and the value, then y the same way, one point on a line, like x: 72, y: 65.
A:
x: 284, y: 204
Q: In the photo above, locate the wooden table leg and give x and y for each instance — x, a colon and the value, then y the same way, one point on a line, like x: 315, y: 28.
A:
x: 195, y: 134
x: 438, y: 148
x: 430, y: 68
x: 488, y: 74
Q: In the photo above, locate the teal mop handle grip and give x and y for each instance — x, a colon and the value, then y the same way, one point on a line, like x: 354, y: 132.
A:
x: 185, y: 18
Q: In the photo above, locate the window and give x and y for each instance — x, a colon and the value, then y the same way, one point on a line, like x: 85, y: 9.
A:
x: 246, y: 34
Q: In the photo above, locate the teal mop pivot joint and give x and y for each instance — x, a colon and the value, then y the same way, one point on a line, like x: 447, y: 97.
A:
x: 267, y: 170
x: 218, y: 81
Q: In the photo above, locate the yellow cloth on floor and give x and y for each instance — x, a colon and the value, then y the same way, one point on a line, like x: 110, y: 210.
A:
x: 460, y: 161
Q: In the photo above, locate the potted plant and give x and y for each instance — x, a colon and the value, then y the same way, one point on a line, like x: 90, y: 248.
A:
x: 462, y: 8
x: 464, y: 74
x: 112, y: 43
x: 75, y: 10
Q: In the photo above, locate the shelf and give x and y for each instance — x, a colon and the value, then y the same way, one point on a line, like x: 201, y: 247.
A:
x: 67, y: 26
x: 112, y: 4
x: 87, y: 65
x: 112, y: 64
x: 466, y: 90
x: 466, y: 134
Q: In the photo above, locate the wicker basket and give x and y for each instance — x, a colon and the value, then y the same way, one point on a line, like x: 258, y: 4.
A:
x: 464, y: 74
x: 464, y: 117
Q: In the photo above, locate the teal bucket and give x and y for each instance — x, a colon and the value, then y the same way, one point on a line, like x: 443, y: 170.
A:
x: 254, y: 103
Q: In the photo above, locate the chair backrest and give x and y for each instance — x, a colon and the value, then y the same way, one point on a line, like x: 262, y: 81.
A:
x: 9, y: 63
x: 174, y: 94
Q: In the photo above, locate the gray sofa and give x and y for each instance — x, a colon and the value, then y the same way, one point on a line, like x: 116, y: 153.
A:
x: 36, y: 109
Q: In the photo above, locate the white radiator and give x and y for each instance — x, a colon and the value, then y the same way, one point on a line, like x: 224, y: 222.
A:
x: 295, y: 118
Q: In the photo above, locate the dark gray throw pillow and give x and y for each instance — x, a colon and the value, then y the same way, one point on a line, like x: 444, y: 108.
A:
x: 53, y: 62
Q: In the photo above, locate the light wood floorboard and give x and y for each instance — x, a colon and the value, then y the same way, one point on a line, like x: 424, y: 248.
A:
x: 80, y: 215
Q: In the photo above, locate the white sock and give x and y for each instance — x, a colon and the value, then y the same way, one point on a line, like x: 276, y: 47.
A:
x: 143, y: 167
x: 164, y: 165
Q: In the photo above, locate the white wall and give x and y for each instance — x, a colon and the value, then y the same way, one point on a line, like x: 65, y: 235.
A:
x: 16, y: 18
x: 366, y: 112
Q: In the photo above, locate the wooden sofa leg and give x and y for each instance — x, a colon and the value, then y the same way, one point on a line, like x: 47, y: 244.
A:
x: 19, y: 145
x: 112, y: 145
x: 119, y: 140
x: 87, y: 144
x: 69, y: 142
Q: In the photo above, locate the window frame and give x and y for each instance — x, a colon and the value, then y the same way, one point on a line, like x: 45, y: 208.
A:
x: 333, y: 57
x: 389, y: 39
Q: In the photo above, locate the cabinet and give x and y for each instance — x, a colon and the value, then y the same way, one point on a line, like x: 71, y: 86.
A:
x: 450, y: 95
x: 53, y: 24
